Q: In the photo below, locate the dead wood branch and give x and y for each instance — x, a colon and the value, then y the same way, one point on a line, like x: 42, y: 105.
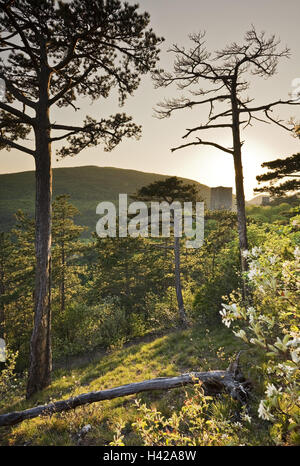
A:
x: 229, y: 381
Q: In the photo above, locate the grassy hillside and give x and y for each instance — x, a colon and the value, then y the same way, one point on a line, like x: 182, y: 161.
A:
x: 168, y: 355
x: 87, y: 186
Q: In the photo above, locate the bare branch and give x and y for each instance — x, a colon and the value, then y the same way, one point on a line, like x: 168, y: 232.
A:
x: 278, y: 122
x: 198, y: 128
x: 180, y: 103
x: 206, y: 143
x: 269, y: 106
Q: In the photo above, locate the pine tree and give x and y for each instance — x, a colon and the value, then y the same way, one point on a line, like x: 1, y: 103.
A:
x: 66, y: 249
x: 219, y: 80
x: 171, y: 190
x: 53, y: 53
x: 279, y: 170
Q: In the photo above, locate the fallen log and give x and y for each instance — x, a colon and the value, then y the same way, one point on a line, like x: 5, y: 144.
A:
x: 230, y: 381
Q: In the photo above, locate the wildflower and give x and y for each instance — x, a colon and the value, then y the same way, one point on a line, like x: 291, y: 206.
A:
x: 247, y: 418
x: 226, y: 321
x: 264, y: 413
x: 272, y: 390
x: 241, y: 334
x: 251, y: 314
x: 295, y: 356
x: 294, y: 342
x: 272, y: 259
x: 255, y: 252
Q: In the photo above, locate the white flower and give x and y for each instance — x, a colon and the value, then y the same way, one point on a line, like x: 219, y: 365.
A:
x: 297, y: 252
x: 251, y: 314
x: 226, y: 322
x: 272, y: 259
x: 295, y: 356
x: 246, y: 418
x: 272, y: 390
x: 225, y: 319
x: 223, y: 313
x: 264, y: 413
x: 294, y: 342
x: 241, y: 334
x: 255, y: 252
x: 286, y: 368
x: 254, y: 271
x: 235, y: 310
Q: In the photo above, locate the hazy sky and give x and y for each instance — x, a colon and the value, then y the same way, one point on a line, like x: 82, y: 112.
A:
x: 224, y: 21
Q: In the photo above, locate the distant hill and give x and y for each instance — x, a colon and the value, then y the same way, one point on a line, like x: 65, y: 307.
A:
x: 87, y: 186
x: 259, y: 200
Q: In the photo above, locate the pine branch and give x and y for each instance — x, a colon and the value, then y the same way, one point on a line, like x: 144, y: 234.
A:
x: 206, y: 143
x: 14, y: 145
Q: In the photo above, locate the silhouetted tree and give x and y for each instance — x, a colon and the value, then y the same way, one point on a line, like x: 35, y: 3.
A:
x: 280, y: 169
x: 225, y: 74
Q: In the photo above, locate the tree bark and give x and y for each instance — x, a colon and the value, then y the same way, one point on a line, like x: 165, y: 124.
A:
x: 62, y: 286
x: 229, y: 381
x: 239, y: 181
x: 2, y: 306
x: 40, y: 344
x: 181, y: 310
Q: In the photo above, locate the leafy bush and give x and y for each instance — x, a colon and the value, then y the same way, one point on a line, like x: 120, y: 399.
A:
x: 199, y: 422
x: 222, y: 281
x: 83, y: 327
x: 271, y: 325
x: 9, y: 381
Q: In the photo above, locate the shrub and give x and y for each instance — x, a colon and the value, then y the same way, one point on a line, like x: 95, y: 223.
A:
x: 199, y: 422
x: 9, y: 381
x: 83, y: 327
x: 271, y: 325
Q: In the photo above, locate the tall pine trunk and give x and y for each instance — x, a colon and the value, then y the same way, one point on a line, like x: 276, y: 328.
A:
x: 181, y: 310
x: 2, y: 307
x: 239, y: 186
x: 40, y: 344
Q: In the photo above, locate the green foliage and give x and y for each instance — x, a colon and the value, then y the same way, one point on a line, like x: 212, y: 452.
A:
x: 17, y: 283
x: 66, y: 250
x: 17, y: 274
x: 154, y: 356
x: 132, y: 270
x: 271, y: 324
x: 81, y: 328
x: 9, y: 380
x: 198, y: 422
x: 279, y: 213
x: 279, y: 170
x: 217, y: 267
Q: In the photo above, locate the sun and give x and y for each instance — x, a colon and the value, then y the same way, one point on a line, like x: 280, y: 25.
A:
x: 215, y: 168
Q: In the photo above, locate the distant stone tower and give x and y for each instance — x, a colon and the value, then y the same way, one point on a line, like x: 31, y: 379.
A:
x: 265, y: 200
x: 221, y: 198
